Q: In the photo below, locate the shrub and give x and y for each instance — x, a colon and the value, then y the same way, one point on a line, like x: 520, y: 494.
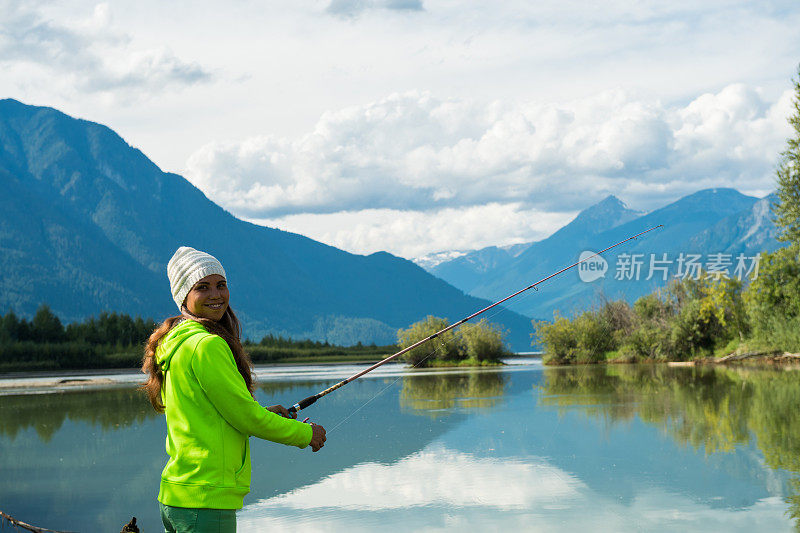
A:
x: 584, y: 339
x: 558, y: 339
x: 707, y: 313
x: 483, y: 341
x: 480, y: 343
x: 443, y: 347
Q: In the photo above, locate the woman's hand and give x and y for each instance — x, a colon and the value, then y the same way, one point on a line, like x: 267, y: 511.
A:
x: 281, y: 410
x: 317, y: 437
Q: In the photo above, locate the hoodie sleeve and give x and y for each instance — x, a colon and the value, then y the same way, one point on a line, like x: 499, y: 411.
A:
x: 215, y: 368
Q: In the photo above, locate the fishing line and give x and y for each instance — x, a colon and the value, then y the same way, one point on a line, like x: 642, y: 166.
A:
x: 401, y: 376
x: 311, y: 399
x: 302, y: 404
x: 460, y: 332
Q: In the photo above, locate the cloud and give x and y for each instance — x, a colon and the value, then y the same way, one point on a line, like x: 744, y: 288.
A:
x: 89, y: 53
x: 414, y: 151
x: 434, y: 476
x: 353, y: 8
x: 412, y: 234
x: 439, y: 489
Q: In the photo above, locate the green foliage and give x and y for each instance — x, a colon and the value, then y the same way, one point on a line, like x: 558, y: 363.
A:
x: 773, y: 300
x: 691, y: 318
x: 110, y: 341
x: 558, y: 338
x: 9, y: 328
x: 273, y: 349
x: 648, y: 337
x: 691, y: 333
x: 114, y: 340
x: 481, y: 342
x: 111, y: 328
x: 280, y: 342
x: 587, y: 337
x: 444, y: 347
x: 46, y: 326
x: 787, y: 208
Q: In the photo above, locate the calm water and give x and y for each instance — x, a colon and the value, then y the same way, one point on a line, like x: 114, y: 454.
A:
x: 623, y: 448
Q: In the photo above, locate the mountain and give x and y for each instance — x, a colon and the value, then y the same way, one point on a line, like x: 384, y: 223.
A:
x: 87, y: 224
x: 468, y: 271
x: 708, y: 222
x: 752, y: 229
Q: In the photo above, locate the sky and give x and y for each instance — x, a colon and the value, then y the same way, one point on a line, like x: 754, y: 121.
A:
x: 421, y: 126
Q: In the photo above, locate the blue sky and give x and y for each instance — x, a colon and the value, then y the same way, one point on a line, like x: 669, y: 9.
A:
x: 417, y: 126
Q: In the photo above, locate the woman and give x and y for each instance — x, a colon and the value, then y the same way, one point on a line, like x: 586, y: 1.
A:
x: 200, y: 377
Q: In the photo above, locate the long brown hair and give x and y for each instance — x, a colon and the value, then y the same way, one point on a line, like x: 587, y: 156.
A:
x: 227, y: 327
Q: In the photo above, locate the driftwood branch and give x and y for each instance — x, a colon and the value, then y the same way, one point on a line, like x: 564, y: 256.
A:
x: 20, y: 524
x: 767, y: 356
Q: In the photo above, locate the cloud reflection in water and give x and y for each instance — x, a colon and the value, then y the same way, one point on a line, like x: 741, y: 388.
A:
x: 440, y: 489
x: 433, y: 476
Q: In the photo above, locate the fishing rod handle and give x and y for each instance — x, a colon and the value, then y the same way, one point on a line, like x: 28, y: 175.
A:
x: 302, y: 404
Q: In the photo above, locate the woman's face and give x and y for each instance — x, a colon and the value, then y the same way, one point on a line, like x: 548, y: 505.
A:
x: 209, y: 297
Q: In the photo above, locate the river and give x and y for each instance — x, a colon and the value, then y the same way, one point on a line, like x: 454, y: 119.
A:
x: 521, y: 447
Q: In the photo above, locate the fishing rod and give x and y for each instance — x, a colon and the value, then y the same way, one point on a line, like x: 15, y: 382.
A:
x: 302, y: 404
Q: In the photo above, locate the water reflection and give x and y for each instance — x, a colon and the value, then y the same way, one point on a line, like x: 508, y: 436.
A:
x: 711, y: 409
x: 443, y: 489
x: 107, y: 409
x: 435, y: 395
x: 618, y: 448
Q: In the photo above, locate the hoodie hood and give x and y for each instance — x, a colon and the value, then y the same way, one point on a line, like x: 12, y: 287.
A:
x: 173, y: 340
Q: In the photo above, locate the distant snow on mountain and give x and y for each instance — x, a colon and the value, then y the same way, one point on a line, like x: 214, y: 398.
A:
x: 711, y: 221
x: 430, y: 261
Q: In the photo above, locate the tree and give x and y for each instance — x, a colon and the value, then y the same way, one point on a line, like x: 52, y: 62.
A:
x: 443, y: 347
x: 773, y: 300
x: 787, y: 209
x: 46, y: 327
x: 9, y: 327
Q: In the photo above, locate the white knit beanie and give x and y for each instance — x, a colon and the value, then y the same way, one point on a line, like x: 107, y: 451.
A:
x: 187, y: 267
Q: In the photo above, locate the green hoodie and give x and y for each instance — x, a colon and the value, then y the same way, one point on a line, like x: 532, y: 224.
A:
x: 210, y: 417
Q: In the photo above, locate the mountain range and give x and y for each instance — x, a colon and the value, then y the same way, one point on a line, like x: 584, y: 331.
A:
x: 718, y: 229
x: 88, y: 223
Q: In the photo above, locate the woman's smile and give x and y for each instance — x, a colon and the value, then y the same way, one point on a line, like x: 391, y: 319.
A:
x: 209, y: 297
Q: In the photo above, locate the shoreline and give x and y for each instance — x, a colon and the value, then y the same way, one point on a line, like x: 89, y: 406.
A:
x: 782, y: 359
x: 45, y: 381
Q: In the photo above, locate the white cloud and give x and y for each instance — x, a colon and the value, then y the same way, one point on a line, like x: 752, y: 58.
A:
x: 438, y: 489
x: 434, y: 476
x: 534, y: 107
x: 411, y: 234
x: 86, y: 54
x: 415, y: 151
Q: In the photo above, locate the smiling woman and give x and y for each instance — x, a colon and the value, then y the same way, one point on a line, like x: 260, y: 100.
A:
x: 201, y: 379
x: 209, y: 298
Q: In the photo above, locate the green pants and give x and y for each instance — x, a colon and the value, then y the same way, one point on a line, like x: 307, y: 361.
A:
x: 183, y: 520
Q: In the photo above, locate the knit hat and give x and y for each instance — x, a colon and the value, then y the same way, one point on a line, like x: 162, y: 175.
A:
x: 187, y: 267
